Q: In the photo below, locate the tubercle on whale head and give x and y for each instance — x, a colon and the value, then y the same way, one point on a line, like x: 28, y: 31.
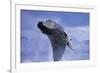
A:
x: 44, y: 29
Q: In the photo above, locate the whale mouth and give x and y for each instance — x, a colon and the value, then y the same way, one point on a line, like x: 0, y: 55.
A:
x: 44, y: 29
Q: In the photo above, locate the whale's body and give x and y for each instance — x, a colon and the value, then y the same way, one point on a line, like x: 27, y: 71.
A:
x: 58, y: 38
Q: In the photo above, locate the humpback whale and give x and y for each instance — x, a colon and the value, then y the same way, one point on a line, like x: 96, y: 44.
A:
x: 57, y: 36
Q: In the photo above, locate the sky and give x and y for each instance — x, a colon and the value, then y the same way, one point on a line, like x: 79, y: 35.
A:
x: 36, y: 47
